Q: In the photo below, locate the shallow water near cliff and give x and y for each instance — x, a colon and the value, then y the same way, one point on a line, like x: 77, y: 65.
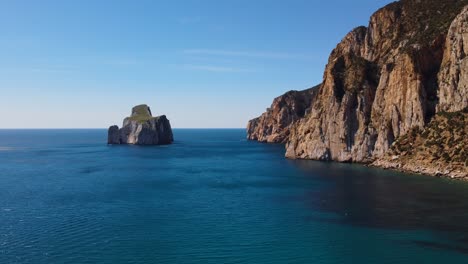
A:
x: 213, y: 197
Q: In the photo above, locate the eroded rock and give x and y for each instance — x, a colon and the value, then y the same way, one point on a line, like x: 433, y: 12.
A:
x: 141, y: 128
x: 380, y: 82
x: 273, y: 126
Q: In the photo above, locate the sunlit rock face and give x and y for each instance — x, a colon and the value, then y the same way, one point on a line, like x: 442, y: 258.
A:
x: 383, y: 80
x: 453, y: 75
x: 274, y: 125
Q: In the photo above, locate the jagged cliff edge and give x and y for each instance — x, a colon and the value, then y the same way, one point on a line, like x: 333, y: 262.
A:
x: 383, y: 81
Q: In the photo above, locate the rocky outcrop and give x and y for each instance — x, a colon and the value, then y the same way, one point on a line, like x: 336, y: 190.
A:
x: 273, y: 126
x: 335, y: 128
x: 438, y: 149
x: 380, y: 82
x: 385, y: 80
x: 453, y: 75
x: 113, y: 135
x: 141, y: 128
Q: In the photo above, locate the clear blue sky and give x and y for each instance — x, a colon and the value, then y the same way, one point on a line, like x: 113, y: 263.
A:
x: 84, y: 64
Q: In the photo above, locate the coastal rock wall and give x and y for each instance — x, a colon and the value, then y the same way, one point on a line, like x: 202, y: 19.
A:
x: 273, y: 126
x: 378, y: 89
x: 141, y: 128
x: 384, y: 80
x: 453, y: 75
x: 336, y: 124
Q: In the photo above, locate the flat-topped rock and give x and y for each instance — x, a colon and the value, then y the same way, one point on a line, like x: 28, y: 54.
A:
x: 141, y: 128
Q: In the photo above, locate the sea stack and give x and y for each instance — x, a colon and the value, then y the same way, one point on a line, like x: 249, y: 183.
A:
x: 141, y: 128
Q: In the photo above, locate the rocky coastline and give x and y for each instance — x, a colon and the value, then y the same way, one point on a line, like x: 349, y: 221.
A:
x: 274, y: 125
x: 385, y: 84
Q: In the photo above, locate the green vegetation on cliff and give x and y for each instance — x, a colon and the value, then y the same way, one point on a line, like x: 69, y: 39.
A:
x: 443, y: 141
x: 141, y: 113
x: 427, y: 18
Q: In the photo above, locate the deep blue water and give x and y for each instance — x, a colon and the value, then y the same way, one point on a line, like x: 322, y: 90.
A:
x: 213, y: 197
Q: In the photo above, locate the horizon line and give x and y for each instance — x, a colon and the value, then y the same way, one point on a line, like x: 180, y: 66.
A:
x: 76, y: 128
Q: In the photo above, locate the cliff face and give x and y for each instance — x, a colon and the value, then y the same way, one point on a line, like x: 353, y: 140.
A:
x: 453, y: 75
x: 382, y: 81
x: 141, y: 128
x: 273, y: 126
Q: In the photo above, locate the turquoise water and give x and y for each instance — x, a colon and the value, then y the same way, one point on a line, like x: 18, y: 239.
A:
x: 213, y: 197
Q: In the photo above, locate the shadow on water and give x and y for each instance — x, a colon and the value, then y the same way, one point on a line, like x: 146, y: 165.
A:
x: 441, y: 246
x: 376, y: 198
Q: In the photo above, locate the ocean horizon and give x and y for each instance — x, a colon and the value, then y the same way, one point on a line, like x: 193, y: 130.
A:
x: 214, y: 197
x: 234, y: 132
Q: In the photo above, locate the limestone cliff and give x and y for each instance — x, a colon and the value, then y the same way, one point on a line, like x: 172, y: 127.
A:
x: 273, y: 126
x: 453, y: 75
x: 379, y: 83
x: 141, y: 128
x: 386, y: 79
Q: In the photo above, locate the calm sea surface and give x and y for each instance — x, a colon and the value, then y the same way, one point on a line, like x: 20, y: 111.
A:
x: 213, y: 197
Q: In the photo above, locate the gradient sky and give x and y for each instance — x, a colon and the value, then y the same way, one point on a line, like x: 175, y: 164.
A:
x: 213, y: 64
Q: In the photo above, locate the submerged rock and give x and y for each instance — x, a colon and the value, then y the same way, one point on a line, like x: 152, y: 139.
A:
x: 141, y: 128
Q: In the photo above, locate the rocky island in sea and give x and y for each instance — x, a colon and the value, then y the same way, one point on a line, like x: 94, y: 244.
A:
x: 394, y: 94
x: 141, y: 128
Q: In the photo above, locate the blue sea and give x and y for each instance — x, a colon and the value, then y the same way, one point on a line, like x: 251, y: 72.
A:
x: 213, y: 197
